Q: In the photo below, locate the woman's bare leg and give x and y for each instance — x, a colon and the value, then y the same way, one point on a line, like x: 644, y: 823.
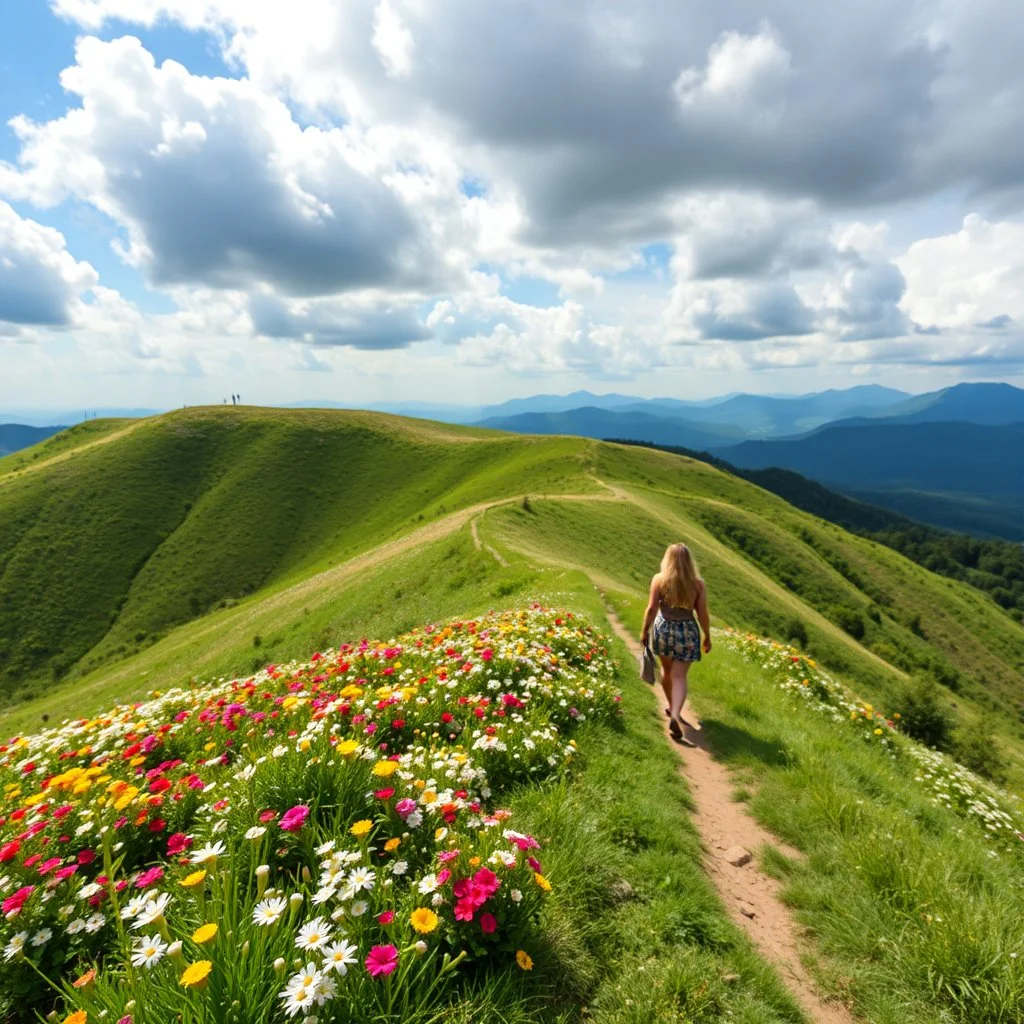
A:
x: 666, y: 679
x: 680, y: 672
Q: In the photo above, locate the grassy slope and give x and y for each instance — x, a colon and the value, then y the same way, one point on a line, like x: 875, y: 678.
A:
x: 209, y: 505
x: 104, y: 551
x: 880, y: 857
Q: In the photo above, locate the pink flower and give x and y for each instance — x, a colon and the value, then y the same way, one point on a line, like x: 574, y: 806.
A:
x: 268, y: 815
x: 292, y: 820
x: 535, y: 864
x: 386, y: 918
x: 13, y: 904
x: 382, y: 961
x: 177, y: 843
x: 465, y: 909
x: 443, y: 875
x: 446, y: 855
x: 148, y: 878
x: 405, y: 807
x: 48, y: 865
x: 384, y: 794
x: 488, y: 923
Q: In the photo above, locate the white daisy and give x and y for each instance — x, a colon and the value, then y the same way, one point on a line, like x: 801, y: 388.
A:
x: 152, y: 911
x: 326, y: 988
x: 358, y: 908
x: 148, y: 951
x: 399, y: 867
x: 134, y: 907
x: 42, y: 937
x: 323, y: 894
x: 94, y: 923
x: 268, y: 911
x: 207, y: 853
x: 338, y: 955
x: 314, y: 934
x: 360, y: 878
x: 308, y: 977
x: 296, y: 1000
x: 256, y: 832
x: 428, y: 883
x: 89, y: 889
x: 324, y: 848
x: 15, y: 946
x: 76, y: 926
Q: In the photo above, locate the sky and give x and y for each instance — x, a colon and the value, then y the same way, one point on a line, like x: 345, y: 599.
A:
x: 449, y: 201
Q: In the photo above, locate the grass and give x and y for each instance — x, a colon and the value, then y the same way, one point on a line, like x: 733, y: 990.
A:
x: 379, y: 552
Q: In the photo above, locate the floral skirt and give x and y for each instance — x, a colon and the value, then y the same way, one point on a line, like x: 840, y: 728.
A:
x: 679, y: 640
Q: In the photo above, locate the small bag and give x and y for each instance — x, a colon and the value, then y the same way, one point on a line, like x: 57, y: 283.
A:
x: 647, y: 664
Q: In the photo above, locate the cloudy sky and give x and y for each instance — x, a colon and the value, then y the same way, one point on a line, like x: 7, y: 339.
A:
x: 460, y: 201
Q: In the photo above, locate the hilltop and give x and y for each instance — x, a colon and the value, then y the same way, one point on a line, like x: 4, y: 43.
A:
x: 130, y: 546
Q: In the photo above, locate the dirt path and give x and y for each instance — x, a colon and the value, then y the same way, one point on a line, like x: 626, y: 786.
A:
x: 751, y: 897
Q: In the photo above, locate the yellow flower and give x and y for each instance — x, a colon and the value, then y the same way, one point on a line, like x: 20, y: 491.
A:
x: 878, y: 732
x: 195, y: 975
x: 385, y: 768
x: 542, y: 881
x: 392, y: 845
x: 474, y: 861
x: 428, y: 796
x: 204, y: 933
x: 524, y: 960
x: 196, y: 878
x: 423, y: 920
x: 347, y: 747
x: 210, y: 746
x: 360, y: 828
x: 78, y: 1017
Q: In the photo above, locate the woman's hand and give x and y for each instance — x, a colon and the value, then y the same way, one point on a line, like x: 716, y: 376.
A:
x: 707, y: 643
x: 644, y: 637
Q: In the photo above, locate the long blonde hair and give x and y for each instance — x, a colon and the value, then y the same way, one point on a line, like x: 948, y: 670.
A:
x: 679, y: 577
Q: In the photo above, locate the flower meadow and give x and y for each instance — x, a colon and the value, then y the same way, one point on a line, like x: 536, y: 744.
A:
x: 949, y: 784
x: 322, y: 841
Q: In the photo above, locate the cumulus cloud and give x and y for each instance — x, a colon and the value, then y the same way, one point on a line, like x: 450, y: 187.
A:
x: 335, y: 322
x: 40, y: 281
x: 217, y: 184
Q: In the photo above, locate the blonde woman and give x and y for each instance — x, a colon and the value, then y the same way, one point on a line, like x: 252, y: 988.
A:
x: 678, y: 601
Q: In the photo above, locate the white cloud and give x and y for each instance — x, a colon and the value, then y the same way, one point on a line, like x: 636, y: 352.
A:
x: 742, y: 72
x: 392, y: 40
x: 973, y: 276
x: 40, y: 281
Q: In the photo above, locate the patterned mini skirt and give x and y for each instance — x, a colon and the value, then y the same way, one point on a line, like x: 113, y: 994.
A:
x: 679, y: 640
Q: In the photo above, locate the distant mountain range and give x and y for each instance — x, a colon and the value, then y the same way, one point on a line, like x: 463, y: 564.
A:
x: 15, y: 436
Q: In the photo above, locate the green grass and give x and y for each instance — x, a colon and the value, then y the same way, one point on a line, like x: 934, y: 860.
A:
x: 169, y: 550
x: 880, y: 857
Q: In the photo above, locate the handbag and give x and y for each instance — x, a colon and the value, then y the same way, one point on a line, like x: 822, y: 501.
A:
x: 647, y: 664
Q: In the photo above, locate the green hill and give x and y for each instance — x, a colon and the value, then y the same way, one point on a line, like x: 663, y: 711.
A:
x: 214, y: 539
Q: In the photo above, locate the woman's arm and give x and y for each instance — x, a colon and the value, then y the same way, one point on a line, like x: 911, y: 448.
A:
x: 701, y: 607
x: 650, y: 611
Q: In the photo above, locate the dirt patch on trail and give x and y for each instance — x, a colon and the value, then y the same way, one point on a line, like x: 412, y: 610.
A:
x: 728, y: 832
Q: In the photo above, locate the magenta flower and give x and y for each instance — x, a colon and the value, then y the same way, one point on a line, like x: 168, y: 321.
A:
x: 489, y: 923
x: 405, y: 807
x: 294, y: 819
x: 382, y: 961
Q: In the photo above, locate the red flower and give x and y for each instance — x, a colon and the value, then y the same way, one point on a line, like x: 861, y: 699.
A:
x: 178, y: 843
x: 266, y: 816
x: 384, y: 794
x: 386, y: 918
x: 9, y: 851
x: 488, y: 923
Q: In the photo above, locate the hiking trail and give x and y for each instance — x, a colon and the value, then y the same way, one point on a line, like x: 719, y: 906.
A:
x: 751, y: 897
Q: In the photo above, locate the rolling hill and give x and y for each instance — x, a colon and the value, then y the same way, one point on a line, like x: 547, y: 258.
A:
x: 207, y: 540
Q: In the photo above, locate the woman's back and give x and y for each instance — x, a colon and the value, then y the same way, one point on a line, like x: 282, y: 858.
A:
x: 671, y: 609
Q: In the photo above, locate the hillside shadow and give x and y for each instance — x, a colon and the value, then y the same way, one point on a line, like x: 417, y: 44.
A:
x: 733, y: 745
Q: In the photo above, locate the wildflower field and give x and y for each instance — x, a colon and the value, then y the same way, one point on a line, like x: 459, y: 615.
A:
x: 321, y: 841
x: 949, y: 785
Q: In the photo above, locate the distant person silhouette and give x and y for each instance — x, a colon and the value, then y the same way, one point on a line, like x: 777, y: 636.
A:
x: 678, y: 601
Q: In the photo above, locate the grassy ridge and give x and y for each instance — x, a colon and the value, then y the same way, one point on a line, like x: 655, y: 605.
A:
x: 251, y: 524
x: 103, y: 552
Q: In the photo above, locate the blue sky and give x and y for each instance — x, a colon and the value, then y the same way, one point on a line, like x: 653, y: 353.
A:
x: 367, y: 203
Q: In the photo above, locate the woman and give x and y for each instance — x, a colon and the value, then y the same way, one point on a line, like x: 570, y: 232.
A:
x: 678, y: 600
